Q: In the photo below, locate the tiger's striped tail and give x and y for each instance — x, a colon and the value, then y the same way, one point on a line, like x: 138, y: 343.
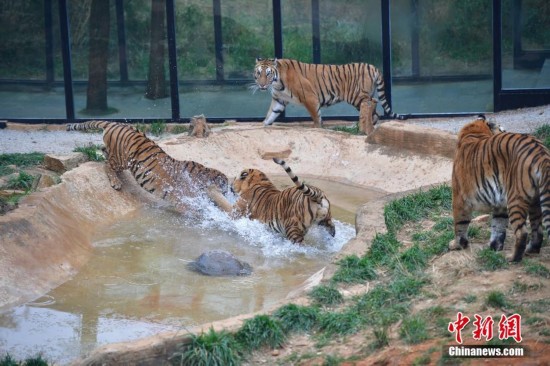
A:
x: 545, y: 195
x: 316, y: 196
x: 89, y: 125
x: 381, y: 89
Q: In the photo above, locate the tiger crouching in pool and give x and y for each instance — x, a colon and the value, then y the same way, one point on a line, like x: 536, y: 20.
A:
x: 290, y: 212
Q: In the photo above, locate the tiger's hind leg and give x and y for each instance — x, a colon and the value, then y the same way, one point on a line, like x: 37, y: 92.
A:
x: 367, y: 115
x: 499, y: 223
x: 518, y: 209
x: 113, y: 169
x: 537, y: 234
x: 462, y: 215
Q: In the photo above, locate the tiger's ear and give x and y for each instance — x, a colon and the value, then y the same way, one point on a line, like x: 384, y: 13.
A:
x: 275, y: 61
x: 258, y: 59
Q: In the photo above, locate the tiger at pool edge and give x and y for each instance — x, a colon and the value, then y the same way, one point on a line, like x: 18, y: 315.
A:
x: 153, y: 169
x: 290, y: 212
x: 508, y: 173
x: 318, y: 85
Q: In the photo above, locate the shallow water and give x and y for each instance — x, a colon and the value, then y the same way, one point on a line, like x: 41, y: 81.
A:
x: 137, y: 282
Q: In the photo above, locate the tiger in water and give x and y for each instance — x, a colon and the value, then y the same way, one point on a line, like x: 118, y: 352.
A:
x: 507, y: 173
x: 316, y: 85
x: 153, y: 169
x: 290, y: 212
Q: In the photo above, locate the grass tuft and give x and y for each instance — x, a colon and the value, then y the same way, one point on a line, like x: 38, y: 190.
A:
x: 261, y: 331
x: 381, y: 338
x: 326, y: 295
x: 536, y: 269
x: 489, y: 260
x: 341, y: 323
x: 496, y: 299
x: 353, y: 130
x: 158, y: 128
x: 354, y: 270
x: 211, y: 348
x: 543, y: 134
x: 7, y: 360
x: 413, y: 330
x: 297, y: 318
x: 93, y: 152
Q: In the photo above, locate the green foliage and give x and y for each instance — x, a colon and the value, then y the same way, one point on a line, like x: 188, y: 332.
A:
x: 22, y: 181
x: 345, y: 322
x: 412, y: 259
x: 158, y: 128
x: 297, y: 318
x: 413, y: 330
x: 19, y: 160
x: 326, y: 295
x: 261, y: 331
x: 543, y: 134
x: 381, y: 338
x: 470, y: 298
x: 384, y: 247
x: 142, y: 127
x: 211, y: 348
x: 536, y: 269
x: 489, y: 260
x: 93, y: 152
x: 496, y: 299
x: 353, y: 269
x: 177, y: 129
x: 416, y: 206
x: 7, y: 360
x: 353, y: 130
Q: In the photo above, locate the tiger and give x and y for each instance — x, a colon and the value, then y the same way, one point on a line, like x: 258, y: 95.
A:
x: 315, y: 86
x: 290, y: 212
x: 506, y: 173
x: 153, y: 169
x: 199, y: 127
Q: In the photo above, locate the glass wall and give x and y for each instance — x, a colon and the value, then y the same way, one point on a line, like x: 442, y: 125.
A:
x: 31, y: 72
x: 526, y: 44
x: 441, y: 56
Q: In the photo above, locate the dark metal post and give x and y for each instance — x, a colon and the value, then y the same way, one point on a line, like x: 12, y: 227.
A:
x: 386, y: 47
x: 121, y: 31
x: 517, y: 30
x: 66, y: 54
x: 277, y: 29
x: 415, y: 57
x: 497, y: 54
x: 48, y: 33
x: 172, y: 59
x: 316, y: 31
x: 218, y: 39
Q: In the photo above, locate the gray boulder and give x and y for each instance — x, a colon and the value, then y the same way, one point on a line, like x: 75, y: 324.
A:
x: 220, y: 263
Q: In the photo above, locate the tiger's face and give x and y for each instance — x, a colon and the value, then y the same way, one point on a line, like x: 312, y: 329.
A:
x: 265, y: 72
x: 248, y: 179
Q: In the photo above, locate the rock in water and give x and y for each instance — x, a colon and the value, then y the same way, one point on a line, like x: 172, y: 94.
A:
x: 220, y: 263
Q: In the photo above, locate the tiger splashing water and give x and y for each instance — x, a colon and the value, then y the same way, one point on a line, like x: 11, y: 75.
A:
x: 290, y: 212
x: 315, y: 86
x: 507, y: 173
x: 153, y: 169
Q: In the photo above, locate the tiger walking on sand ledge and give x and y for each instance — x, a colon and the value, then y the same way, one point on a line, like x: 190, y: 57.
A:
x: 315, y: 86
x: 153, y: 169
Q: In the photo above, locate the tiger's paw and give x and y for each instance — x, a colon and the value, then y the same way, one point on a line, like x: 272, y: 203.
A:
x: 458, y: 245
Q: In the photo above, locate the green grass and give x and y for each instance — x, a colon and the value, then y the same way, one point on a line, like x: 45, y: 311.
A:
x: 326, y: 295
x: 19, y: 160
x: 260, y: 331
x: 177, y: 129
x: 381, y: 338
x: 340, y: 323
x: 413, y: 330
x: 353, y: 130
x: 536, y: 269
x: 543, y: 134
x: 93, y: 152
x: 496, y: 299
x: 353, y: 269
x: 7, y: 360
x: 489, y: 260
x: 22, y: 181
x: 297, y: 318
x: 470, y: 298
x: 210, y: 348
x: 158, y: 128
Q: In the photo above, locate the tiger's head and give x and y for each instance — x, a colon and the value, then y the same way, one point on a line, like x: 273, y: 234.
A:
x: 248, y: 179
x: 480, y: 126
x: 265, y: 73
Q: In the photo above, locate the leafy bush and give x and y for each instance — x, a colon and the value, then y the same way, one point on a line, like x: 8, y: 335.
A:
x: 211, y: 348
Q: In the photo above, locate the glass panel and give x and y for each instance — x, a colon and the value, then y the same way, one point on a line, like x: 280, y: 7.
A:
x: 95, y: 47
x: 349, y: 32
x: 441, y: 63
x: 525, y: 44
x: 247, y: 33
x: 30, y: 59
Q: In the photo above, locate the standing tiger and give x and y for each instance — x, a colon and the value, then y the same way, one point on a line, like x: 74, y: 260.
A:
x: 154, y: 170
x: 290, y: 212
x: 315, y: 86
x: 508, y: 173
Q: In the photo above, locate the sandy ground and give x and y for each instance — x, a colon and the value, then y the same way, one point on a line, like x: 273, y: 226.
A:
x: 53, y: 139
